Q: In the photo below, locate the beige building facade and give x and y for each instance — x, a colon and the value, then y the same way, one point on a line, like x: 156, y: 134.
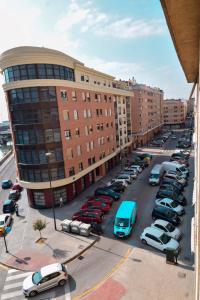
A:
x: 174, y: 112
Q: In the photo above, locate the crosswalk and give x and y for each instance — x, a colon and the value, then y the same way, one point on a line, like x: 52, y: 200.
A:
x: 12, y: 289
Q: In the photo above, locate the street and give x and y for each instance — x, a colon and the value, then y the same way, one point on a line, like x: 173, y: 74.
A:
x: 106, y: 266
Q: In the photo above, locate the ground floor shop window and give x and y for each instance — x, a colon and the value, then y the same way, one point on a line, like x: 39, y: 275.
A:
x: 39, y: 198
x: 61, y: 193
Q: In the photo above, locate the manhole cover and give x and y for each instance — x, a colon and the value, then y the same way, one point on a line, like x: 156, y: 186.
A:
x: 137, y: 260
x: 81, y: 247
x: 81, y: 257
x: 181, y: 274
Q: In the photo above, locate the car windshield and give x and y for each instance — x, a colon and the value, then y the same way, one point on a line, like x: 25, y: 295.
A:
x: 154, y: 176
x: 174, y: 204
x: 170, y: 227
x: 1, y: 223
x: 36, y: 277
x: 164, y: 238
x: 182, y: 169
x: 121, y: 222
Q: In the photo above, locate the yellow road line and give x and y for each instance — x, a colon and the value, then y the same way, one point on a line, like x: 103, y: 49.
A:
x: 114, y: 269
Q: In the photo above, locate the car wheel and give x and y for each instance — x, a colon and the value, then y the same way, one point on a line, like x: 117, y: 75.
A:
x: 33, y: 293
x: 144, y: 242
x: 62, y: 282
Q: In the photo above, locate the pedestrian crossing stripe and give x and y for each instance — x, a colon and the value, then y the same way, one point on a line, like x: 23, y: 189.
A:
x: 18, y: 276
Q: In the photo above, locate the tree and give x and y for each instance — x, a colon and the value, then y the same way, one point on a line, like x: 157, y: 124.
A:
x: 39, y: 225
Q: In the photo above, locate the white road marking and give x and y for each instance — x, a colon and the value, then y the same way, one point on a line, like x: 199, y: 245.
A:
x: 11, y: 295
x: 67, y: 291
x: 9, y: 278
x: 12, y: 271
x: 12, y: 285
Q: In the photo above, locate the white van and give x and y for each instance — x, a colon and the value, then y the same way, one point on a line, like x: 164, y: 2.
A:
x: 173, y: 166
x: 156, y: 174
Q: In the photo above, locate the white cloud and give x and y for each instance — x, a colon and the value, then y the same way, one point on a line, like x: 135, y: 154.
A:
x: 90, y: 19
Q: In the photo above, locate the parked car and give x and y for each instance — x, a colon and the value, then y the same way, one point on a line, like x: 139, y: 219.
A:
x: 6, y: 184
x: 8, y: 206
x: 116, y: 187
x: 171, y: 181
x: 47, y: 277
x: 166, y: 214
x: 158, y: 239
x: 181, y: 155
x: 101, y: 198
x: 123, y: 181
x: 183, y: 145
x: 136, y: 167
x: 88, y: 216
x: 179, y: 179
x: 144, y: 155
x: 130, y: 172
x: 171, y: 187
x: 133, y: 170
x: 96, y: 207
x: 107, y: 192
x: 179, y: 198
x: 156, y: 143
x: 14, y: 195
x: 177, y: 174
x: 17, y: 187
x: 174, y: 137
x: 168, y: 228
x: 179, y: 160
x: 127, y: 177
x: 5, y: 221
x: 169, y: 203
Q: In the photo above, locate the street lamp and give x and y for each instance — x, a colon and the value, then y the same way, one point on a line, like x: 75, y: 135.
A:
x: 4, y: 237
x: 48, y: 154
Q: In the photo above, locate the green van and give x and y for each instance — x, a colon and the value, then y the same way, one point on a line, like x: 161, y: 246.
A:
x: 125, y: 218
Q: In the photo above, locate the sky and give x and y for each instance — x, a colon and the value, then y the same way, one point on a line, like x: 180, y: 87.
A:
x: 125, y: 39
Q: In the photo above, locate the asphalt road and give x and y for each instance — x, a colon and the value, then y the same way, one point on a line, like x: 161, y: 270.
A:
x: 94, y: 265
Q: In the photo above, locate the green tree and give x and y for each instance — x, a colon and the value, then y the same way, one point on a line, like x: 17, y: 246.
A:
x: 39, y: 225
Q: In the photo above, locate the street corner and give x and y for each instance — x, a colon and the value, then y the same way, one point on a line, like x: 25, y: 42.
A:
x: 28, y: 260
x: 110, y: 289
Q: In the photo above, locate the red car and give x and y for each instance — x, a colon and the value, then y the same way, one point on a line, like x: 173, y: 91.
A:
x: 17, y: 187
x: 102, y: 206
x: 88, y: 216
x: 101, y: 198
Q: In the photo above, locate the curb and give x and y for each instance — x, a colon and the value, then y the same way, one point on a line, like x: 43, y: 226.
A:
x: 63, y: 262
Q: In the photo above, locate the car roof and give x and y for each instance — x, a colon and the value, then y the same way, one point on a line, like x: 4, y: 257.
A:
x: 161, y: 222
x: 7, y: 202
x: 167, y: 200
x: 126, y: 208
x: 50, y: 269
x: 3, y: 216
x: 161, y: 208
x: 13, y: 192
x: 6, y: 180
x: 152, y: 230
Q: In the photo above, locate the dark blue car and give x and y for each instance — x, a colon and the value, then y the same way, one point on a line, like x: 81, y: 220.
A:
x: 107, y: 192
x: 6, y: 184
x: 8, y: 206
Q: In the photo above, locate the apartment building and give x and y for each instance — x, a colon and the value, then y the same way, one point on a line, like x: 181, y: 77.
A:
x: 69, y: 124
x: 174, y: 112
x: 146, y: 112
x: 190, y: 106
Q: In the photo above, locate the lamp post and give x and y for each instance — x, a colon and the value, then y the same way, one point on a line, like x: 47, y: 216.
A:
x: 4, y: 237
x: 48, y: 154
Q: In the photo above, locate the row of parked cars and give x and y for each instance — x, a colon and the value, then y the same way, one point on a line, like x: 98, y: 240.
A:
x: 172, y: 177
x: 185, y: 140
x: 93, y: 210
x: 9, y: 205
x: 160, y: 140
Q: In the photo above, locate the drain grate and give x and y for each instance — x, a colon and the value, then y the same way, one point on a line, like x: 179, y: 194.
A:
x: 181, y: 275
x: 81, y: 257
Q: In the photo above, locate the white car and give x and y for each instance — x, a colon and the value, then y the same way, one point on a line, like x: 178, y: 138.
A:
x: 48, y: 277
x: 173, y: 205
x: 127, y: 177
x: 136, y: 167
x: 132, y: 173
x: 123, y: 181
x: 158, y: 239
x: 168, y: 228
x: 5, y: 222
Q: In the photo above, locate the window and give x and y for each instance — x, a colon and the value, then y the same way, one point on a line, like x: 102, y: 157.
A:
x: 60, y: 193
x: 71, y: 171
x: 77, y: 132
x: 97, y: 112
x: 49, y: 135
x: 75, y: 115
x: 83, y: 96
x: 90, y: 129
x: 80, y: 166
x: 78, y: 150
x: 106, y: 112
x: 66, y: 115
x: 88, y: 96
x: 82, y: 78
x: 74, y: 96
x: 39, y: 198
x: 89, y: 114
x: 92, y: 145
x: 63, y: 95
x: 86, y: 78
x: 68, y: 134
x: 86, y: 130
x: 88, y: 147
x: 85, y: 113
x: 69, y: 153
x: 110, y: 112
x: 98, y: 127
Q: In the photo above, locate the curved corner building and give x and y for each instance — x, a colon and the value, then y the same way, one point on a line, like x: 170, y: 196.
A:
x: 59, y: 106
